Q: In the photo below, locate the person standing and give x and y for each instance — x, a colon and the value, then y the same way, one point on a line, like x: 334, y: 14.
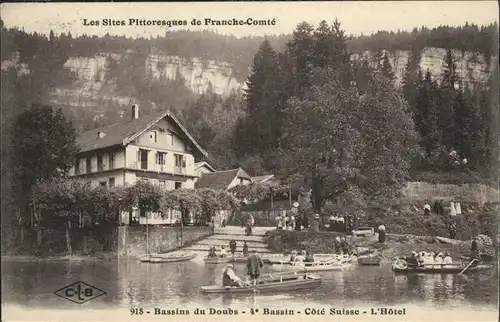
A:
x: 344, y: 246
x: 453, y: 211
x: 474, y: 248
x: 232, y: 246
x: 381, y: 234
x: 245, y: 249
x: 336, y: 244
x: 458, y: 208
x: 252, y: 221
x: 279, y: 222
x: 254, y: 264
x: 452, y: 228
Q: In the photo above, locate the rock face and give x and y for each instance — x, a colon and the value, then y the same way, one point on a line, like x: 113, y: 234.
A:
x: 199, y: 75
x: 93, y: 88
x: 471, y: 67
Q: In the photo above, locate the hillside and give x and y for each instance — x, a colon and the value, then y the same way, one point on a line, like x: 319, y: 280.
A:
x: 109, y: 73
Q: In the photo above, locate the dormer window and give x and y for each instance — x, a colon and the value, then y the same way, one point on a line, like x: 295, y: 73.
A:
x: 153, y: 136
x: 100, y: 134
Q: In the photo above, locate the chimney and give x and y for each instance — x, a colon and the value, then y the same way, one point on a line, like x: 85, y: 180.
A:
x: 135, y: 111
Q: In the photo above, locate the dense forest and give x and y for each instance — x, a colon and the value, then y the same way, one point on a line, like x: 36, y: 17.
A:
x: 232, y: 128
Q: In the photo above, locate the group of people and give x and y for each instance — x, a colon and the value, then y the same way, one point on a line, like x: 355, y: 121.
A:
x: 254, y: 265
x: 292, y: 220
x: 438, y: 208
x: 303, y: 256
x: 344, y: 224
x: 427, y: 258
x: 212, y: 252
x: 341, y: 245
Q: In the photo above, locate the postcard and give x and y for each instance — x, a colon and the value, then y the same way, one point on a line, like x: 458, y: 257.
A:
x: 253, y: 161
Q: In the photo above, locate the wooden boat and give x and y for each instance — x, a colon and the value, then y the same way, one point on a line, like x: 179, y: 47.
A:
x: 453, y: 268
x: 319, y: 266
x: 270, y: 283
x: 369, y: 260
x: 217, y: 260
x: 243, y: 260
x: 340, y: 259
x: 167, y: 257
x: 483, y: 258
x: 172, y: 258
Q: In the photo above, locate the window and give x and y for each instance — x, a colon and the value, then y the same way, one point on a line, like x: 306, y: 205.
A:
x: 100, y: 163
x: 103, y: 183
x: 170, y: 139
x: 178, y: 185
x: 160, y: 158
x: 77, y: 166
x: 153, y: 136
x: 178, y: 160
x: 111, y: 160
x: 111, y: 182
x: 88, y: 165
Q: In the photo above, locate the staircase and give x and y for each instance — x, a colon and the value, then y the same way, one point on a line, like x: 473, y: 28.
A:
x: 223, y: 236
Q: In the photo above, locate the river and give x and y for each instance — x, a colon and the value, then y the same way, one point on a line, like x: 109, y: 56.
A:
x: 130, y: 284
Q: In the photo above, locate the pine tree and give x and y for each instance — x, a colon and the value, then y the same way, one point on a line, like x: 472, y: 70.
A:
x: 386, y: 68
x: 262, y: 99
x: 449, y: 78
x: 426, y: 121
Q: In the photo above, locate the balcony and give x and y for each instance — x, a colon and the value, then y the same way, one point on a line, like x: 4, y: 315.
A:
x: 151, y: 166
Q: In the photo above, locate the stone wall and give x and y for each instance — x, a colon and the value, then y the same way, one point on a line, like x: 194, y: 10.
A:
x: 161, y: 239
x: 476, y: 193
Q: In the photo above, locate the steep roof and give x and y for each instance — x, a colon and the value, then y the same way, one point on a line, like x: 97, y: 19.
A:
x: 264, y: 178
x: 203, y: 164
x: 125, y: 132
x: 221, y: 179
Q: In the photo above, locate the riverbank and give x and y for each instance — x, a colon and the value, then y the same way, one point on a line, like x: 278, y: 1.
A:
x: 279, y: 241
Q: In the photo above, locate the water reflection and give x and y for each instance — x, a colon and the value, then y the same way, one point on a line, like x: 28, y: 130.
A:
x: 133, y: 284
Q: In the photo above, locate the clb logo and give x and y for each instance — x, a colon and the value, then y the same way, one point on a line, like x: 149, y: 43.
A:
x: 79, y: 292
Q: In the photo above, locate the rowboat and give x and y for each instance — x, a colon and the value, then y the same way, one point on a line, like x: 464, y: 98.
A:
x: 243, y: 260
x: 401, y: 267
x: 340, y: 259
x: 369, y: 260
x: 172, y: 258
x: 270, y: 283
x: 217, y: 260
x: 167, y: 258
x: 320, y: 266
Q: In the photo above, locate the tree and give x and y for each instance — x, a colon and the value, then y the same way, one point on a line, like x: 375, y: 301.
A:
x: 386, y: 68
x: 450, y: 77
x: 346, y: 144
x: 43, y: 146
x: 426, y: 120
x: 262, y: 100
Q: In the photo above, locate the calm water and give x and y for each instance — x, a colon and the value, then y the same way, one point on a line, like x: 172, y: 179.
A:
x: 132, y: 284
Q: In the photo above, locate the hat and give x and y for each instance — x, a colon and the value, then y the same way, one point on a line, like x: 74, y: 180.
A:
x: 295, y: 204
x: 414, y: 253
x: 230, y: 265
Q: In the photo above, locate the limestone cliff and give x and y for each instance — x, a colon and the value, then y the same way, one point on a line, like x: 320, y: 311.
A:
x: 94, y: 87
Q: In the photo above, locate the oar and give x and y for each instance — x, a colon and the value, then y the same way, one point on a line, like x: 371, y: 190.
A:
x: 467, y: 267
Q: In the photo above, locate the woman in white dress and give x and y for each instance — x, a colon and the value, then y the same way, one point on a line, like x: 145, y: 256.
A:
x: 453, y: 211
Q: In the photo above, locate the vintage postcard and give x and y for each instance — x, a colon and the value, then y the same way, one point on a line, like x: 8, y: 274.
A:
x: 221, y: 161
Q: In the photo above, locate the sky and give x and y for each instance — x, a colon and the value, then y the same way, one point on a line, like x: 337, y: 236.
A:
x: 356, y: 17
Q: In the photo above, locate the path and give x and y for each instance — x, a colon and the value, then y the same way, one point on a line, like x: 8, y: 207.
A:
x: 224, y: 235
